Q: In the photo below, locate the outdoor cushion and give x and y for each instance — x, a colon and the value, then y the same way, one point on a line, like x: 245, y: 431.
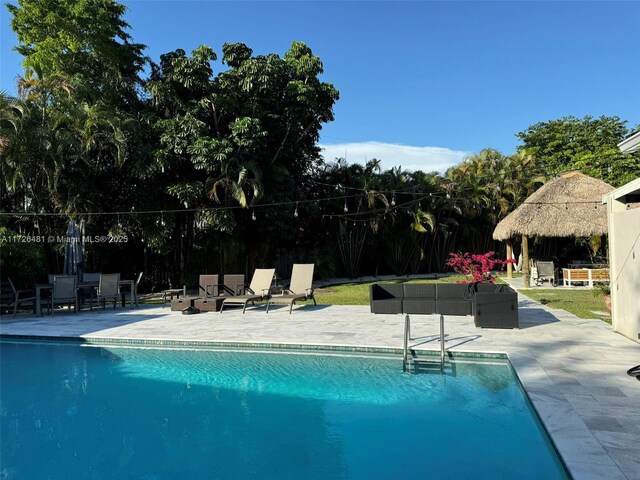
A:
x: 419, y: 298
x: 453, y: 299
x: 386, y: 297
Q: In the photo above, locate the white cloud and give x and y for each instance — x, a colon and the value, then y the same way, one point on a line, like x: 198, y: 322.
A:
x: 427, y: 159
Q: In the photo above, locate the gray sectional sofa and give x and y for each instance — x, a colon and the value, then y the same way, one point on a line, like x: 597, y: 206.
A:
x: 492, y: 306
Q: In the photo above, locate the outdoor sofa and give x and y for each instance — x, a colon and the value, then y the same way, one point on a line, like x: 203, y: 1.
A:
x: 492, y: 305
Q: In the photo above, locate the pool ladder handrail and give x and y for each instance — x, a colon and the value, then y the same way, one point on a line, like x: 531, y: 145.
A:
x: 407, y: 337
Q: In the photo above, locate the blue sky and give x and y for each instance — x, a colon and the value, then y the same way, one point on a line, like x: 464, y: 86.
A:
x: 421, y: 83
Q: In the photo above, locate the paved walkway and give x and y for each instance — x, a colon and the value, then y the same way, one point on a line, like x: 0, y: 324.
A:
x: 574, y: 370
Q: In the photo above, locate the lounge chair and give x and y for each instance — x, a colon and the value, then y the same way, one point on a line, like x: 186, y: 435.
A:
x: 258, y: 289
x: 299, y: 287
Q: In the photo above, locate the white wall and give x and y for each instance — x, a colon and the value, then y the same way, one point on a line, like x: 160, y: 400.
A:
x: 624, y: 258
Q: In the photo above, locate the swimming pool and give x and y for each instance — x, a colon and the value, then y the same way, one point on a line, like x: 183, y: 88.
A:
x: 72, y: 411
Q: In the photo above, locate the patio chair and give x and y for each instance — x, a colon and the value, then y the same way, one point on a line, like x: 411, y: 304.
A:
x: 108, y: 289
x: 12, y: 297
x: 232, y: 285
x: 90, y: 277
x: 64, y: 292
x: 257, y: 290
x: 207, y: 288
x: 132, y: 294
x: 85, y: 292
x: 299, y: 287
x: 6, y: 296
x: 545, y: 271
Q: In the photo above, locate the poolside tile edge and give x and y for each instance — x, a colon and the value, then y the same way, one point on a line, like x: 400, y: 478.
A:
x: 311, y: 347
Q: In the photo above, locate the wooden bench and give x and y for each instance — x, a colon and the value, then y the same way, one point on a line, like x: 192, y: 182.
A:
x: 584, y: 275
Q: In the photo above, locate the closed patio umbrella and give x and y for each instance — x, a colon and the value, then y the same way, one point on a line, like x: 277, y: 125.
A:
x: 73, y: 252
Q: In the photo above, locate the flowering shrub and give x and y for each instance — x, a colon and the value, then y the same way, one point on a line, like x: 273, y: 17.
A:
x: 477, y: 268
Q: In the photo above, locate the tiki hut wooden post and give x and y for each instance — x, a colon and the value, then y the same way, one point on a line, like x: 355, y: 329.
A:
x: 569, y: 205
x: 509, y: 257
x: 526, y: 271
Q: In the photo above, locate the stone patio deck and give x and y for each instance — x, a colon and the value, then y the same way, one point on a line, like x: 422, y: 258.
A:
x: 574, y: 370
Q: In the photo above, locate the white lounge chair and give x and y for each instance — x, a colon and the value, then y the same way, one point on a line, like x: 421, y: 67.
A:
x: 257, y: 290
x: 299, y: 287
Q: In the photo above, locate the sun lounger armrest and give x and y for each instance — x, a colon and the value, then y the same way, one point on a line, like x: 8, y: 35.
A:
x: 309, y: 292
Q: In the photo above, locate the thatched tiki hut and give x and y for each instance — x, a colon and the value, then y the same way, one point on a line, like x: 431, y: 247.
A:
x: 570, y: 205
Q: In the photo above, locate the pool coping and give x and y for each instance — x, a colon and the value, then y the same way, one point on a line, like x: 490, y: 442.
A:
x: 285, y: 346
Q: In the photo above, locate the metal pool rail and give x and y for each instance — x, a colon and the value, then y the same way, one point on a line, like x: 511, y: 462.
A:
x: 408, y: 362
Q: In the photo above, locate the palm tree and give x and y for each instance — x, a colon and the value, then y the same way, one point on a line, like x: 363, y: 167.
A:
x: 11, y: 113
x: 238, y: 181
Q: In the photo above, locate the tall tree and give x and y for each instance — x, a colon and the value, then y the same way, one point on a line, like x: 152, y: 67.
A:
x: 80, y: 145
x: 246, y: 134
x: 86, y: 40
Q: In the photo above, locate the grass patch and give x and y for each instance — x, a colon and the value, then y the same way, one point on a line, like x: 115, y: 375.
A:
x: 582, y: 303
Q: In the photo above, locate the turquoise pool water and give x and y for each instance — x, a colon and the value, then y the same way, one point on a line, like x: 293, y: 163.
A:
x: 79, y: 412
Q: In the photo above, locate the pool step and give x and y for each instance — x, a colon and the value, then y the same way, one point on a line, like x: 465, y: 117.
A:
x: 427, y: 365
x: 411, y: 362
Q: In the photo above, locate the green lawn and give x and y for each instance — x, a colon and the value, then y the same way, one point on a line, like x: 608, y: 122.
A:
x: 581, y: 303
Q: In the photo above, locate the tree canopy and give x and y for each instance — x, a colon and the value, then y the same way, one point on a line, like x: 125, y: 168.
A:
x: 220, y: 149
x: 588, y: 144
x: 86, y: 41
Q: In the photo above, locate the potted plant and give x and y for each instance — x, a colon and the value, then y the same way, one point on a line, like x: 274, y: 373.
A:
x: 605, y: 291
